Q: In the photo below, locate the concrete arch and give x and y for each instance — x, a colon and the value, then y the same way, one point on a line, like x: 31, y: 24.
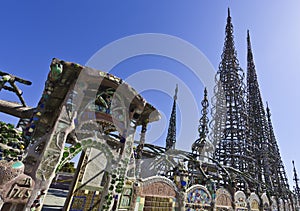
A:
x: 198, y: 195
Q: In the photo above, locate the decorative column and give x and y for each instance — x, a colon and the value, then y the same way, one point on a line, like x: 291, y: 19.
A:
x: 181, y: 178
x: 52, y: 121
x: 211, y: 187
x: 118, y: 172
x: 139, y: 150
x: 77, y: 177
x: 53, y: 144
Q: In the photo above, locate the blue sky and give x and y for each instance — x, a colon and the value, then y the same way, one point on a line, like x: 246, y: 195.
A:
x: 33, y: 32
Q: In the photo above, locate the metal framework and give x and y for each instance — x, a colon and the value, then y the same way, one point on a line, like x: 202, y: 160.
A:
x: 199, y: 144
x: 257, y: 123
x: 246, y: 157
x: 229, y: 124
x: 280, y: 181
x: 296, y: 187
x: 269, y: 166
x: 171, y: 137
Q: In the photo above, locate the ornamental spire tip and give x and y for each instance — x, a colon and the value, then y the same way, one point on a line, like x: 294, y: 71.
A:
x: 176, y: 92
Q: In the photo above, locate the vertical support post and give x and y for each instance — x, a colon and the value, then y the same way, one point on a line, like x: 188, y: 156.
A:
x: 124, y: 161
x: 139, y: 149
x: 48, y: 159
x: 119, y: 169
x: 75, y: 181
x: 49, y: 128
x: 181, y: 201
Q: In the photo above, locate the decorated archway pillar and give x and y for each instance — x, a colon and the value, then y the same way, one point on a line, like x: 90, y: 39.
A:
x: 44, y: 170
x: 54, y: 119
x: 50, y: 124
x: 139, y: 149
x: 181, y: 179
x: 181, y: 201
x: 122, y: 168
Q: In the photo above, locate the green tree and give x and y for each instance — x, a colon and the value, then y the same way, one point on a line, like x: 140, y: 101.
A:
x: 68, y: 167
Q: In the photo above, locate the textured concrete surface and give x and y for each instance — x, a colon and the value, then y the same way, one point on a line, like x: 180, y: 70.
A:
x: 55, y: 199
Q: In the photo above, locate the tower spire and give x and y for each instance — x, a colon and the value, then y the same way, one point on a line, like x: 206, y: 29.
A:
x: 203, y: 129
x: 199, y: 144
x: 171, y: 137
x: 281, y: 186
x: 229, y: 122
x: 296, y: 180
x: 257, y: 122
x: 229, y: 48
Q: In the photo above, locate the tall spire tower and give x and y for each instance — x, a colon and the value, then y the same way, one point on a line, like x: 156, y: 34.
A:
x: 296, y: 187
x: 280, y: 182
x: 200, y: 143
x: 171, y: 137
x: 229, y: 123
x: 257, y: 122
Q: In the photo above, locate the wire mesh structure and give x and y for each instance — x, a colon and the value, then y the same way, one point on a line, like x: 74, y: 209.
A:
x: 296, y: 187
x: 229, y: 124
x: 202, y: 147
x: 171, y: 137
x: 257, y: 124
x: 278, y: 174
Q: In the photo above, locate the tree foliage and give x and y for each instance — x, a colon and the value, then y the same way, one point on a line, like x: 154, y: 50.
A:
x: 12, y: 145
x: 68, y: 167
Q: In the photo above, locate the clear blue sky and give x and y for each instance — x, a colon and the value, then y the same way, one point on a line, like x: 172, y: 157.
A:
x: 33, y: 32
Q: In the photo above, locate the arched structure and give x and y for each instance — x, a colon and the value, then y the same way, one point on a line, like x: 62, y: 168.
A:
x: 274, y: 205
x: 198, y: 198
x: 156, y: 193
x: 240, y: 201
x: 91, y: 110
x: 97, y: 114
x: 265, y: 201
x: 223, y: 200
x: 254, y: 202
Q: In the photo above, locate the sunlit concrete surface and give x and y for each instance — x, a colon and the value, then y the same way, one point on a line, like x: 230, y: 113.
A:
x: 55, y: 199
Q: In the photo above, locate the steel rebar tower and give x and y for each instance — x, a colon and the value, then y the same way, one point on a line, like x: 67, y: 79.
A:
x: 278, y: 174
x: 199, y: 144
x: 171, y: 136
x: 296, y: 187
x: 229, y: 123
x: 257, y: 123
